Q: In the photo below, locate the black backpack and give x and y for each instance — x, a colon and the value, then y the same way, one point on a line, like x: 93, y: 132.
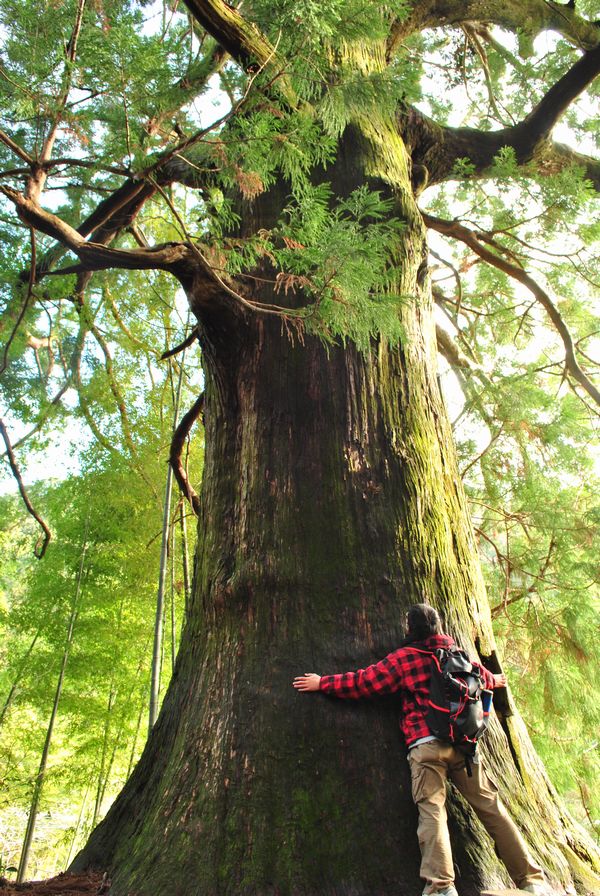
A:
x: 459, y: 702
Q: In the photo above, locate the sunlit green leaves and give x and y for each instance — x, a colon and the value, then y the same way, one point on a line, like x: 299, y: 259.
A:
x: 106, y: 522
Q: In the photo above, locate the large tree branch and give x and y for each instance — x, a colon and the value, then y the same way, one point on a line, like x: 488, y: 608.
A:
x: 438, y: 148
x: 172, y: 257
x: 521, y: 16
x: 242, y: 40
x: 552, y: 158
x: 184, y: 259
x: 458, y: 231
x: 557, y: 100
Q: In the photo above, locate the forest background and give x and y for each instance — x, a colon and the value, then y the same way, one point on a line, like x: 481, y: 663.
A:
x: 98, y: 393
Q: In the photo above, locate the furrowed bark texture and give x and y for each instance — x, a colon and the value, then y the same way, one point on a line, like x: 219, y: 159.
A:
x: 330, y: 502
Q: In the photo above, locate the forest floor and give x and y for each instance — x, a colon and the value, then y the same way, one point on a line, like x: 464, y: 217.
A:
x: 63, y: 885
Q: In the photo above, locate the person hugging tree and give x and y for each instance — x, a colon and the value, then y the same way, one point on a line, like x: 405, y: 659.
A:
x: 432, y: 761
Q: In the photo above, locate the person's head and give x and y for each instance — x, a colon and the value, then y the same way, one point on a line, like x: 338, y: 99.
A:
x: 423, y: 621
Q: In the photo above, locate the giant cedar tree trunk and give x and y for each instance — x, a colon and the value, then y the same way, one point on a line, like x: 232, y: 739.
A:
x: 330, y: 502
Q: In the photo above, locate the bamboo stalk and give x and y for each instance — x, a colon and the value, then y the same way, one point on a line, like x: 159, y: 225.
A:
x: 39, y: 781
x: 101, y: 773
x: 160, y: 597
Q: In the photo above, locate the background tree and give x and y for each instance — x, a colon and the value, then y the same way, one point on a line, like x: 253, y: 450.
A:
x: 331, y: 497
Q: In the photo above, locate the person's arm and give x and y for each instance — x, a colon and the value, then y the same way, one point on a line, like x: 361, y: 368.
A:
x: 383, y: 677
x: 491, y: 681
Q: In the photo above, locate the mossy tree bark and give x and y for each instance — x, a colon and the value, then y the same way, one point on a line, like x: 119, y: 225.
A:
x: 330, y: 502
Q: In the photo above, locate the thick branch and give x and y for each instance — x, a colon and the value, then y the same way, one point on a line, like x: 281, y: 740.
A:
x: 43, y: 540
x: 531, y: 17
x: 458, y: 231
x: 555, y: 157
x: 177, y: 443
x: 242, y: 40
x: 540, y: 121
x: 172, y: 257
x: 117, y: 210
x: 437, y: 148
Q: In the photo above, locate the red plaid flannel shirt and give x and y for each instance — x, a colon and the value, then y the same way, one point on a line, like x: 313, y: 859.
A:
x: 406, y: 670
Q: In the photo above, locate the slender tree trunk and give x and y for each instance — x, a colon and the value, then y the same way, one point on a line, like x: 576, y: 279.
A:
x: 330, y: 502
x: 157, y: 651
x: 39, y: 781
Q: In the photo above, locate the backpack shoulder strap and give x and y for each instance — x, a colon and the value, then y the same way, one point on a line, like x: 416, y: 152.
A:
x: 436, y: 655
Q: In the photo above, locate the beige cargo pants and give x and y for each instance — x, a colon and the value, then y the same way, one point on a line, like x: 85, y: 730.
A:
x: 431, y: 764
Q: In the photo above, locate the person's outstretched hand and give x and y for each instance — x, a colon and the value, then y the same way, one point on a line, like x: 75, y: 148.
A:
x: 310, y: 681
x: 500, y: 680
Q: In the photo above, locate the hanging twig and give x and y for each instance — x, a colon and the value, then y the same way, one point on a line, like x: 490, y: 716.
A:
x: 121, y: 407
x: 121, y: 323
x: 43, y: 540
x: 473, y: 39
x: 456, y: 276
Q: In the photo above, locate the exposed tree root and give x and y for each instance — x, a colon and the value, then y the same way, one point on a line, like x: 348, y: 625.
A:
x: 66, y: 884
